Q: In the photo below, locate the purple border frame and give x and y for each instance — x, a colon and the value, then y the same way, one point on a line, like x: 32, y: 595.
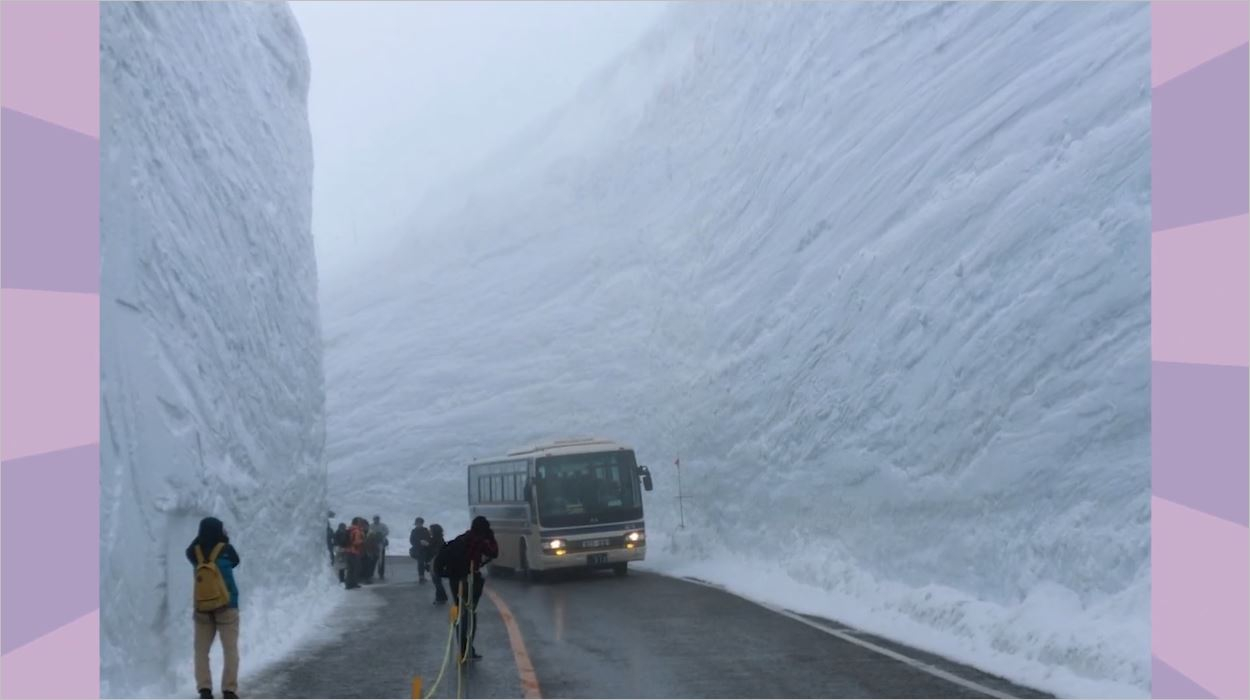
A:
x: 1200, y: 349
x: 49, y: 362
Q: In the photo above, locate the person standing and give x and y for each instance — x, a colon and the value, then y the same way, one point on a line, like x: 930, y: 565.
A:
x: 431, y: 551
x: 355, y: 550
x: 366, y: 563
x: 330, y: 536
x: 216, y: 606
x: 370, y: 557
x: 419, y: 538
x: 341, y: 541
x: 382, y: 539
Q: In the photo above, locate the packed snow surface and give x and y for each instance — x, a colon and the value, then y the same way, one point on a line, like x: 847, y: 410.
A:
x: 877, y: 273
x: 211, y: 353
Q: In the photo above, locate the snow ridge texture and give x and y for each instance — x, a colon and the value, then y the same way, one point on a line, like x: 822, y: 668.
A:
x: 877, y: 273
x: 212, y: 389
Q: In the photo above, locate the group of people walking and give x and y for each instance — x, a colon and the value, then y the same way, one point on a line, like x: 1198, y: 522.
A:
x: 458, y: 562
x: 358, y: 551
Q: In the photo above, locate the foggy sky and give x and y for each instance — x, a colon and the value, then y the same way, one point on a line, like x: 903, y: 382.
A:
x: 405, y: 94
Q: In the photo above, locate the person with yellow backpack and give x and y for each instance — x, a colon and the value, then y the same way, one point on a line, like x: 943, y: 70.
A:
x: 216, y: 604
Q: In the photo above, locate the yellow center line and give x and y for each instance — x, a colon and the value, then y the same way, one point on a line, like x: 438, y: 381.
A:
x: 525, y: 668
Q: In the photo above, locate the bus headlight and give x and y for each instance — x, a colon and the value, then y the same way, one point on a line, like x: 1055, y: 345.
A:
x: 636, y: 537
x: 554, y: 544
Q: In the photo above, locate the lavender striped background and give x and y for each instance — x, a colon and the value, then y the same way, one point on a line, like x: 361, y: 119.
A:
x: 1200, y: 340
x: 50, y: 370
x: 49, y: 321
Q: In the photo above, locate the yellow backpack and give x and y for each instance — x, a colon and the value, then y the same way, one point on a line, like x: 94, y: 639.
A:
x: 211, y: 592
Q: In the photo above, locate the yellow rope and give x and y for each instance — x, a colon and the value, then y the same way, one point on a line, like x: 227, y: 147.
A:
x: 451, y: 635
x: 466, y: 602
x: 464, y: 653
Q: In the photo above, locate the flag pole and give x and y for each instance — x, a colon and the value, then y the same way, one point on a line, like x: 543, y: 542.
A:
x: 681, y: 505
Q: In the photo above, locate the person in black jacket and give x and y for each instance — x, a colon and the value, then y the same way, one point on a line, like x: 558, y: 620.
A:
x: 436, y: 545
x: 224, y: 622
x: 340, y: 540
x: 461, y: 562
x: 419, y: 538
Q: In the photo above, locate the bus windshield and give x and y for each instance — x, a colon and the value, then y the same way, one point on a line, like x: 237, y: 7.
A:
x: 587, y: 488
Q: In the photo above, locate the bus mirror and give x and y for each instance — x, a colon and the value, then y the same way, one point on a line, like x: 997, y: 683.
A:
x: 646, y: 481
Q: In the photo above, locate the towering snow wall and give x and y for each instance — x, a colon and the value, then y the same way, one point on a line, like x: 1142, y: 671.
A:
x: 878, y: 274
x: 211, y: 372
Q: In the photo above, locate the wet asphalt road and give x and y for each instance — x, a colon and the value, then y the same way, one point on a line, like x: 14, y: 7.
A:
x: 593, y: 635
x: 386, y: 634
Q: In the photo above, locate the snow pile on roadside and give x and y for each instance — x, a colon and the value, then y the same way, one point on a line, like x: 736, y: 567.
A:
x: 1052, y: 637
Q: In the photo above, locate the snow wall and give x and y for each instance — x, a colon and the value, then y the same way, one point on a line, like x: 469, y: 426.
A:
x: 212, y: 392
x: 877, y: 273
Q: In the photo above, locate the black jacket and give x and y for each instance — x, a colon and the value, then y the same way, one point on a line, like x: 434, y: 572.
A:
x: 466, y: 552
x: 436, y: 546
x: 417, y: 536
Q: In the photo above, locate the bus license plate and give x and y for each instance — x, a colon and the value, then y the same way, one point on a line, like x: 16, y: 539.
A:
x: 597, y: 559
x: 592, y: 544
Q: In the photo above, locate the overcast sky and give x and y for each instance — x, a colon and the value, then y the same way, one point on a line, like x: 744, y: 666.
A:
x: 405, y: 94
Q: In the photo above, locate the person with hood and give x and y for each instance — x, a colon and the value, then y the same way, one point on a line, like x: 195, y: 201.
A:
x: 461, y: 562
x: 419, y: 538
x: 434, y: 545
x: 381, y: 534
x: 355, y: 550
x: 212, y: 544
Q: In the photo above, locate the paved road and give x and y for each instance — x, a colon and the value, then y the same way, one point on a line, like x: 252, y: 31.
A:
x: 387, y: 633
x: 592, y: 635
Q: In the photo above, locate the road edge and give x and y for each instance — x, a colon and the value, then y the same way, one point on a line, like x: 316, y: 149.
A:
x: 524, y: 666
x: 889, y: 653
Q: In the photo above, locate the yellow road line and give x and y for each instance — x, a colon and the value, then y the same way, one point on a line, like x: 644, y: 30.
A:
x: 529, y: 680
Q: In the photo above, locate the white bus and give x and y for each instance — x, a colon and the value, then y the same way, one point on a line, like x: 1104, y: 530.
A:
x: 565, y: 504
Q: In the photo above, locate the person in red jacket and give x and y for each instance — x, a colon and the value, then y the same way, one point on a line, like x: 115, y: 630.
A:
x: 355, y: 549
